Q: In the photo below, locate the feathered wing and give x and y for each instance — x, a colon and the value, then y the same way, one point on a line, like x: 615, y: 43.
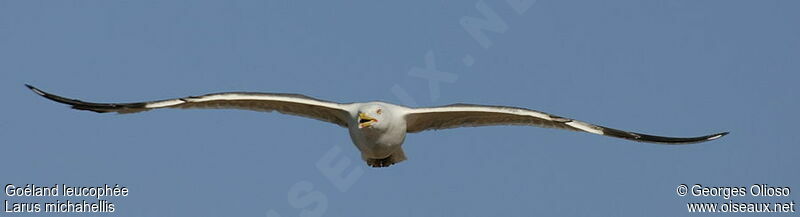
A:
x: 292, y: 104
x: 465, y: 115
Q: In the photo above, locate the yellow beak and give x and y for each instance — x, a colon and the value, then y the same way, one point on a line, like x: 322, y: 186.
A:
x: 365, y: 120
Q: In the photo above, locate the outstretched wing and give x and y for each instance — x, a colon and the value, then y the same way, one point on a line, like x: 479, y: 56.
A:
x: 465, y: 115
x: 293, y: 104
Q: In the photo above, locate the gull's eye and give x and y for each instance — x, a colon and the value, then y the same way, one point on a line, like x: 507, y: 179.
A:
x: 379, y: 111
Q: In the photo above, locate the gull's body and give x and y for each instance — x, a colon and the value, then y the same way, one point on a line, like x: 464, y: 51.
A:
x: 377, y: 129
x: 381, y: 141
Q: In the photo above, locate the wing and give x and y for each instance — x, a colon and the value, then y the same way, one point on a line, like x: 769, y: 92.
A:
x: 465, y: 115
x: 292, y: 104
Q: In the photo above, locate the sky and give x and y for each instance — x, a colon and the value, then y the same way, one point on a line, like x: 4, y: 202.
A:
x: 672, y: 68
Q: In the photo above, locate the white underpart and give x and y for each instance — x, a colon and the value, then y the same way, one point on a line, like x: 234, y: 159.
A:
x: 714, y: 137
x: 37, y: 91
x: 485, y: 109
x: 167, y: 103
x: 585, y: 127
x: 164, y: 103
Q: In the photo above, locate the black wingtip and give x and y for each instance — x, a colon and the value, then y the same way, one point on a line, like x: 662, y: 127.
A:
x: 672, y: 140
x: 90, y: 106
x: 53, y: 97
x: 717, y: 136
x: 640, y: 137
x: 35, y: 90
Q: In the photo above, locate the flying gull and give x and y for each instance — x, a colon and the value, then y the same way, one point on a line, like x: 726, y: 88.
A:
x: 378, y: 129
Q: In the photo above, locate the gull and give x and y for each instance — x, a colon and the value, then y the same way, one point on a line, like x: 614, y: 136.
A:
x: 377, y: 129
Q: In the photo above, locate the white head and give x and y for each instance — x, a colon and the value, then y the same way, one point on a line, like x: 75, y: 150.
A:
x: 372, y: 116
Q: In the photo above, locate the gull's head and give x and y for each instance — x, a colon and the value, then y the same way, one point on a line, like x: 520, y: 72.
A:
x: 370, y: 116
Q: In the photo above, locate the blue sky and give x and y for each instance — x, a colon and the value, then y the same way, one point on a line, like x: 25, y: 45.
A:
x: 674, y: 68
